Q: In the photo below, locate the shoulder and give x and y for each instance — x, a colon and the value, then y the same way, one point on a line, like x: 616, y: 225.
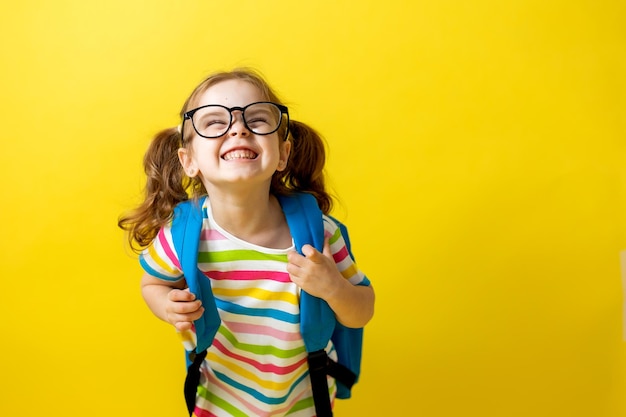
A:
x: 160, y: 259
x: 339, y: 242
x: 334, y: 229
x: 337, y: 234
x: 330, y: 223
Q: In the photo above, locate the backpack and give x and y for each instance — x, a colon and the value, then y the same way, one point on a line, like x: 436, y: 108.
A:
x: 318, y: 324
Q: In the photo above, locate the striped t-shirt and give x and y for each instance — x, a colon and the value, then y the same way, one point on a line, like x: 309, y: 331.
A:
x: 257, y: 364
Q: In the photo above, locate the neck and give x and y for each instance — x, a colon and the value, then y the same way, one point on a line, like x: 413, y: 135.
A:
x: 254, y: 216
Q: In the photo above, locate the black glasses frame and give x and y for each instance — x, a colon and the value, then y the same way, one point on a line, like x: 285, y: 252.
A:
x: 283, y: 111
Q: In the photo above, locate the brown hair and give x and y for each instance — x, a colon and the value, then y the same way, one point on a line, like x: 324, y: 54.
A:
x: 167, y: 184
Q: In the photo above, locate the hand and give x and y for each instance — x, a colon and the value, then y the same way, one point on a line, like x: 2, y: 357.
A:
x: 315, y: 272
x: 182, y: 308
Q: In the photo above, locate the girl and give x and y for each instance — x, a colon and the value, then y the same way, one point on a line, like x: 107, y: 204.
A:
x: 237, y: 145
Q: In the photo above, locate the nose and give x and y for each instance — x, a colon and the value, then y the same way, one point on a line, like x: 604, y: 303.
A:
x: 237, y: 126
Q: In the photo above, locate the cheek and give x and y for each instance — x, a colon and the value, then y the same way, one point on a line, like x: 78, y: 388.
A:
x: 204, y: 147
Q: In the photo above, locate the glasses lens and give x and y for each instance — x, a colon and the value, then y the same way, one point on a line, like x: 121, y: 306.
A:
x: 262, y: 118
x: 211, y: 121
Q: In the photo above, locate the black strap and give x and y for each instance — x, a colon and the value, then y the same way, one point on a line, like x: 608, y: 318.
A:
x: 341, y: 373
x: 193, y: 379
x: 321, y: 365
x: 318, y: 367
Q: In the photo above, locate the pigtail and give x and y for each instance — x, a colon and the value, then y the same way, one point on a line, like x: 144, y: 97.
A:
x: 166, y: 186
x: 305, y: 170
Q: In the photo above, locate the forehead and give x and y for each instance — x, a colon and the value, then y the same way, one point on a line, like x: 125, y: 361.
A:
x: 231, y: 93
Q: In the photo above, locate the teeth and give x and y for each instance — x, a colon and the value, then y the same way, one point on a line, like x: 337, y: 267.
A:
x: 239, y: 154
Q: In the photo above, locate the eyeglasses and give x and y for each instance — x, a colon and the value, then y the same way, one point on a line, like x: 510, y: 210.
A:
x: 261, y: 118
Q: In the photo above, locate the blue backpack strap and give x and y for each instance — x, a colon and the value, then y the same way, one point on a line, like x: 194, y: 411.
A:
x: 186, y: 228
x: 317, y: 320
x: 304, y: 217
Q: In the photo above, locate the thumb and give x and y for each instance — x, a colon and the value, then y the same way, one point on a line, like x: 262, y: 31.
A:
x: 309, y: 251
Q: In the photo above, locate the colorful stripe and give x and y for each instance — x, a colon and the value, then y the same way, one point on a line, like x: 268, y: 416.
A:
x: 236, y: 255
x: 258, y: 312
x: 284, y: 296
x: 260, y: 396
x: 243, y: 275
x: 168, y: 249
x: 247, y: 328
x: 155, y: 272
x: 259, y: 350
x: 263, y: 367
x: 161, y: 262
x: 230, y: 396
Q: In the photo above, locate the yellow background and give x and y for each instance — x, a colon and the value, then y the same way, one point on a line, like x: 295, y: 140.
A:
x: 478, y: 149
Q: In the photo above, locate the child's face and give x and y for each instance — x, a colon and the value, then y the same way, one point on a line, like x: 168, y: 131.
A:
x: 239, y: 157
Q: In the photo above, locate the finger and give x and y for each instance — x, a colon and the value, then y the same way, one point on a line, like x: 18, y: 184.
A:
x: 182, y: 326
x: 293, y: 270
x: 190, y: 317
x: 181, y: 295
x: 295, y: 258
x: 311, y: 253
x: 178, y: 319
x: 185, y: 307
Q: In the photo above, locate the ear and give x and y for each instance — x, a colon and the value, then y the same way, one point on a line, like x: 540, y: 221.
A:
x: 188, y: 163
x: 285, y: 151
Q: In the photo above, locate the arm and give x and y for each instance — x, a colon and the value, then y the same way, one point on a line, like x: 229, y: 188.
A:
x: 317, y: 274
x: 170, y: 301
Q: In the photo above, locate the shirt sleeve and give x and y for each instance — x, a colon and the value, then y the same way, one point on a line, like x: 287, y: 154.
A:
x: 345, y: 263
x: 160, y: 258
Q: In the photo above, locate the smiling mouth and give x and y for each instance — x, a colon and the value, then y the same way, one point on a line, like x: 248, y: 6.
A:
x: 239, y: 154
